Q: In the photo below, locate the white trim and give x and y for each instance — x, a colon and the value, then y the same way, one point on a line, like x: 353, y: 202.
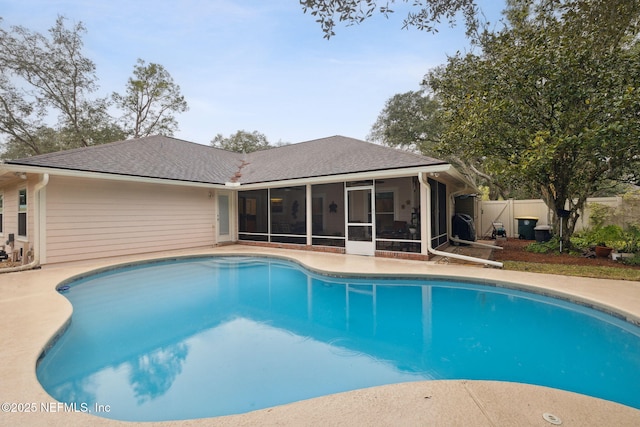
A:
x: 309, y: 213
x: 427, y: 229
x: 102, y: 175
x: 224, y: 238
x: 357, y: 247
x: 444, y: 168
x: 358, y: 176
x: 40, y: 239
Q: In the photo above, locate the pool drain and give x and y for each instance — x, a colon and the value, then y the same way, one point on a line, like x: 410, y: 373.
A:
x: 551, y: 419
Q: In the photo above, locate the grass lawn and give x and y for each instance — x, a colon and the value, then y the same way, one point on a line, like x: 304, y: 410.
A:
x: 599, y: 272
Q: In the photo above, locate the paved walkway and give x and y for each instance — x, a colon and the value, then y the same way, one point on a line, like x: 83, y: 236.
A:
x: 31, y: 312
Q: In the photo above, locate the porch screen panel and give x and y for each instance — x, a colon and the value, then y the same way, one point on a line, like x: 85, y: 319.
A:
x: 327, y: 214
x: 397, y: 215
x: 288, y: 214
x: 253, y: 215
x: 438, y: 213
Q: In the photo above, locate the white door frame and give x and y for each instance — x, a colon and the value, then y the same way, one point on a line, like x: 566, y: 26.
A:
x: 224, y: 229
x: 361, y: 233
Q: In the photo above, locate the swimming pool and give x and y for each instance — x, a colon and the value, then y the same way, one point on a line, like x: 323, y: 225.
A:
x: 214, y: 336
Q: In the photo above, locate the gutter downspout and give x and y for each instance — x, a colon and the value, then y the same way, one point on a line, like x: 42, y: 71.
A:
x: 480, y: 245
x: 427, y: 188
x: 37, y: 240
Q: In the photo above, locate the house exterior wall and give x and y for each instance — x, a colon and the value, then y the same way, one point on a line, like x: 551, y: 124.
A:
x: 91, y: 218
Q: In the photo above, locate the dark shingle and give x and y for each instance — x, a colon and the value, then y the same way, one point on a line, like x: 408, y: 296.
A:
x: 325, y: 157
x: 170, y: 158
x: 150, y: 157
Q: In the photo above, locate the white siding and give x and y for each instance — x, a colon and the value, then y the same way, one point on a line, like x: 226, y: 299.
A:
x: 89, y: 218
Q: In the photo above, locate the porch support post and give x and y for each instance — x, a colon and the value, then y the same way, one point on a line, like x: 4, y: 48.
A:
x: 425, y: 219
x: 309, y: 210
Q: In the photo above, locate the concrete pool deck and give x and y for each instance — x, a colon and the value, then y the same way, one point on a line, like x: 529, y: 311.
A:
x: 32, y: 312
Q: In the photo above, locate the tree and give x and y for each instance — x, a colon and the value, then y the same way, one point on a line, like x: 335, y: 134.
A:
x: 424, y: 14
x: 150, y: 101
x: 241, y: 142
x: 409, y: 120
x: 553, y: 99
x: 42, y: 76
x: 413, y: 121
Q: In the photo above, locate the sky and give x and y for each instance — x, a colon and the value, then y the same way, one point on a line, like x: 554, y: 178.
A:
x: 254, y: 65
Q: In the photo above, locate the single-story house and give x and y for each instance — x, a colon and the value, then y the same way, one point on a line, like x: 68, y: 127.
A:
x: 159, y: 193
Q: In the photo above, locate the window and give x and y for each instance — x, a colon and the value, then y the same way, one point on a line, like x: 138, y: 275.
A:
x: 22, y: 212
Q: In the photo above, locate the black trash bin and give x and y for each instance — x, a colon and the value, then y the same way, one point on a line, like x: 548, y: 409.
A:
x: 526, y: 226
x: 463, y: 227
x: 542, y: 233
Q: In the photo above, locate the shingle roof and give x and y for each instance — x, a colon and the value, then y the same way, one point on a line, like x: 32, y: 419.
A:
x: 169, y: 158
x: 150, y: 157
x: 325, y: 157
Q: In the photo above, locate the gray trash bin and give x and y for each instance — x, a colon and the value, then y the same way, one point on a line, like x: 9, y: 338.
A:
x: 542, y: 233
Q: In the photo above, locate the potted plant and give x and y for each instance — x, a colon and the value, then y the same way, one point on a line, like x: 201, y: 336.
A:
x: 602, y: 250
x: 606, y: 236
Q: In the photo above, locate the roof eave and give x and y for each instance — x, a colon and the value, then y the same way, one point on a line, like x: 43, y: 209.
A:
x: 460, y: 183
x: 14, y: 167
x: 355, y: 176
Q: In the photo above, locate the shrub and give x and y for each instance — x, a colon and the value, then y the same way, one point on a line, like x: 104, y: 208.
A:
x: 599, y: 215
x: 631, y: 239
x: 609, y: 235
x: 552, y: 245
x: 634, y: 260
x: 627, y: 240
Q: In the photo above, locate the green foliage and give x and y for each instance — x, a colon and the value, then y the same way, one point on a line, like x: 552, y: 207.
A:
x: 599, y: 214
x: 630, y: 241
x: 553, y: 245
x: 622, y: 240
x: 150, y: 102
x: 633, y: 261
x: 44, y: 76
x: 424, y: 14
x: 409, y: 120
x: 551, y: 100
x: 241, y: 142
x: 41, y: 75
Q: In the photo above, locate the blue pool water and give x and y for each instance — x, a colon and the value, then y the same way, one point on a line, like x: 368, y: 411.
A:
x: 216, y: 336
